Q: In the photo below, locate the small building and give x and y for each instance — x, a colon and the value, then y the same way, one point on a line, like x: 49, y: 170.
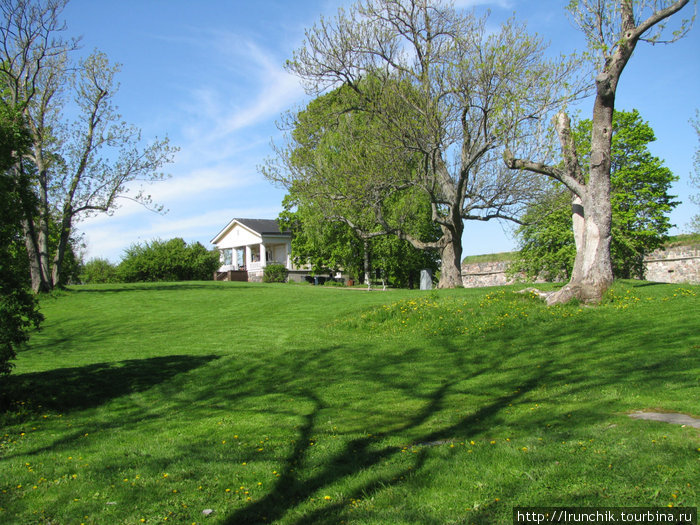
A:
x: 246, y: 246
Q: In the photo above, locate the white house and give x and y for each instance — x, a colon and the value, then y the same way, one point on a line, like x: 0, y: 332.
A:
x: 246, y: 246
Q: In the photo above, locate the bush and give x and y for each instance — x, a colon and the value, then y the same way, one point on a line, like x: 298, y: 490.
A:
x: 172, y: 260
x: 97, y: 271
x: 275, y: 273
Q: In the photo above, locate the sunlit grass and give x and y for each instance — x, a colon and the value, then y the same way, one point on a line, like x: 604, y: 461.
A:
x: 291, y: 404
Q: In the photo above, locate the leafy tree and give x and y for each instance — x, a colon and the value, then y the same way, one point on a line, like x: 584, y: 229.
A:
x: 612, y: 28
x: 447, y: 91
x: 77, y: 168
x: 97, y: 271
x: 329, y: 246
x: 640, y: 206
x: 338, y: 166
x: 18, y: 307
x: 172, y: 260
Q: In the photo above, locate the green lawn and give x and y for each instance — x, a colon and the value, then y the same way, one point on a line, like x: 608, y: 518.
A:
x: 300, y: 404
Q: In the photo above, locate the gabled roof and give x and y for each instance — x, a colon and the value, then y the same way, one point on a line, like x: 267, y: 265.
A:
x: 259, y: 226
x: 262, y: 226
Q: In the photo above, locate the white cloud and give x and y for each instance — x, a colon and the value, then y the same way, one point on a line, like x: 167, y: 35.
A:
x: 203, y: 180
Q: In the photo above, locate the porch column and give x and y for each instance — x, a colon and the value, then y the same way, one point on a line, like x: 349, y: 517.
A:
x: 248, y: 258
x: 263, y: 255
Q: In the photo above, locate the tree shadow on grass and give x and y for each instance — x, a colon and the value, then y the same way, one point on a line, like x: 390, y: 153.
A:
x: 362, y: 454
x: 66, y: 389
x: 625, y: 368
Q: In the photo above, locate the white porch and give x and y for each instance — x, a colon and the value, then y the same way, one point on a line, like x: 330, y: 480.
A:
x: 255, y: 257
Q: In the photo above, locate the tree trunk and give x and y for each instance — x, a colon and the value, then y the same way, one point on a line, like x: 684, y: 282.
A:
x: 366, y: 262
x: 38, y: 278
x: 64, y: 238
x: 451, y: 255
x: 592, y: 274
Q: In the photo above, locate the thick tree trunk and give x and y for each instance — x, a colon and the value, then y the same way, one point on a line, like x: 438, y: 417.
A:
x: 38, y: 278
x: 451, y: 255
x: 592, y: 274
x: 59, y: 256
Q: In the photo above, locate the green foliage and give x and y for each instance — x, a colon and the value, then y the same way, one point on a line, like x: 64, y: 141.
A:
x: 172, y: 260
x: 640, y: 206
x: 547, y: 248
x: 18, y: 307
x: 97, y: 271
x: 333, y: 246
x: 275, y: 273
x: 331, y: 282
x: 339, y: 165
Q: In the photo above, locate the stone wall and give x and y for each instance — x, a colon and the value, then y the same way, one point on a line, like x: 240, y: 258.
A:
x: 477, y: 275
x: 679, y: 264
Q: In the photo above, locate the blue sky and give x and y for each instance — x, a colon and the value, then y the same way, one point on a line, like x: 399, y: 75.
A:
x: 210, y: 76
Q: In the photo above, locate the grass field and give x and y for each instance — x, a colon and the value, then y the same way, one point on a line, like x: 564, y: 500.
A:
x: 300, y: 404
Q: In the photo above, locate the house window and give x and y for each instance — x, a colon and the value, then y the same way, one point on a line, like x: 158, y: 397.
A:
x: 240, y: 257
x: 227, y: 256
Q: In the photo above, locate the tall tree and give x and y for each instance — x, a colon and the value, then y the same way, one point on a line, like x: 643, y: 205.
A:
x: 78, y: 168
x: 613, y: 28
x: 18, y: 307
x: 467, y: 92
x: 640, y: 206
x: 341, y: 166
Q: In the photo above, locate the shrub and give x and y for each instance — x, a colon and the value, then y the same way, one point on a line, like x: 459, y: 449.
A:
x: 172, y: 260
x: 275, y: 273
x: 99, y: 271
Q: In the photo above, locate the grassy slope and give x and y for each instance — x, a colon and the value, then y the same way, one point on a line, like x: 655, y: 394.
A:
x: 295, y: 404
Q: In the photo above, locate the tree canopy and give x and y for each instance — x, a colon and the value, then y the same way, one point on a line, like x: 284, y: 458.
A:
x: 341, y: 169
x: 448, y: 92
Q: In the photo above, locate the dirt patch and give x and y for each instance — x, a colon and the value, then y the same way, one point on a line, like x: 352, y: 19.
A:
x: 667, y: 417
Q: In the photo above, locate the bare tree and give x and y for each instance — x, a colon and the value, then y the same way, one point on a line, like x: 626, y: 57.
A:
x: 613, y: 28
x: 79, y: 167
x: 468, y: 93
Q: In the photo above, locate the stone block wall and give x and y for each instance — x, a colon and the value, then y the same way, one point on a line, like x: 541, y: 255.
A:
x: 679, y: 264
x: 477, y: 275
